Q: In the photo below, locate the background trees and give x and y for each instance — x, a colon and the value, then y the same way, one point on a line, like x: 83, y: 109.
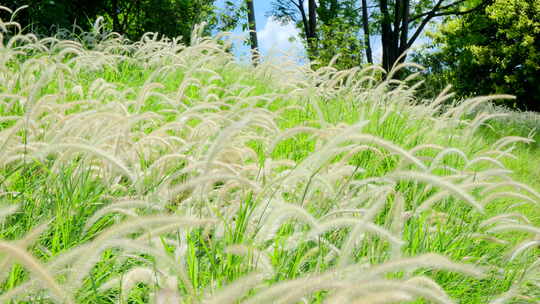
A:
x: 169, y: 17
x: 403, y: 21
x: 493, y: 50
x: 338, y: 32
x: 45, y: 17
x: 480, y: 46
x: 303, y: 14
x: 241, y: 13
x: 328, y: 27
x: 129, y: 17
x: 335, y: 26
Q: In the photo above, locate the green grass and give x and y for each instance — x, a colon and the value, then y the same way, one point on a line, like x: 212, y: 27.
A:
x: 209, y: 184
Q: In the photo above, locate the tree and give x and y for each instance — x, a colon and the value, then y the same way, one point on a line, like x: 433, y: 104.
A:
x: 338, y: 33
x: 254, y: 43
x: 365, y: 25
x: 235, y: 13
x: 171, y: 18
x: 329, y: 28
x: 312, y: 26
x: 47, y: 17
x: 493, y: 50
x: 295, y: 11
x: 129, y: 17
x: 401, y: 22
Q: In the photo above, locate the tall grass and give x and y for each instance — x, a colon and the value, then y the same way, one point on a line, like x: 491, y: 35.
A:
x: 150, y: 171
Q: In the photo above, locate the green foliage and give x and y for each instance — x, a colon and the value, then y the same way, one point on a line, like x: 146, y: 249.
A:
x: 171, y: 18
x: 338, y: 24
x: 47, y: 16
x: 234, y: 13
x: 339, y: 33
x: 493, y: 50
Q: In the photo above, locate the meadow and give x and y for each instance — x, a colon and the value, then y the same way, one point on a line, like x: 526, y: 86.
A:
x: 150, y: 171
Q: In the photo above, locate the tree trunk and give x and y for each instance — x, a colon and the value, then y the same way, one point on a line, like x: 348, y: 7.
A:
x: 254, y: 43
x: 312, y: 26
x: 386, y: 36
x: 365, y: 21
x: 404, y: 26
x: 114, y: 14
x: 304, y: 17
x: 395, y: 31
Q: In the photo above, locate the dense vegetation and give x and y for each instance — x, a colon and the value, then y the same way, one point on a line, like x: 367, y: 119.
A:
x: 132, y: 18
x: 156, y: 172
x: 478, y: 46
x: 493, y: 51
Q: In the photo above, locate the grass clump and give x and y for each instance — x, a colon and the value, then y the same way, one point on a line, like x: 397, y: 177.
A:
x: 157, y: 172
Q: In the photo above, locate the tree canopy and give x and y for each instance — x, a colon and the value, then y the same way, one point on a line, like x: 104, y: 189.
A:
x: 493, y: 50
x: 334, y: 26
x: 130, y: 17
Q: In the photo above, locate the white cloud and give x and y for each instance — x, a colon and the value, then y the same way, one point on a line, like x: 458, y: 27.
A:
x: 276, y: 38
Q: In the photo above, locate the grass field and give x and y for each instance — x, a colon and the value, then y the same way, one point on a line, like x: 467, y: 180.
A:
x: 153, y: 172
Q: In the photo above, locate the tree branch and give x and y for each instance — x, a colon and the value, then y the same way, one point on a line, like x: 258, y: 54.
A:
x: 424, y: 23
x: 300, y: 7
x: 434, y: 13
x: 458, y: 13
x: 298, y: 4
x: 445, y: 7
